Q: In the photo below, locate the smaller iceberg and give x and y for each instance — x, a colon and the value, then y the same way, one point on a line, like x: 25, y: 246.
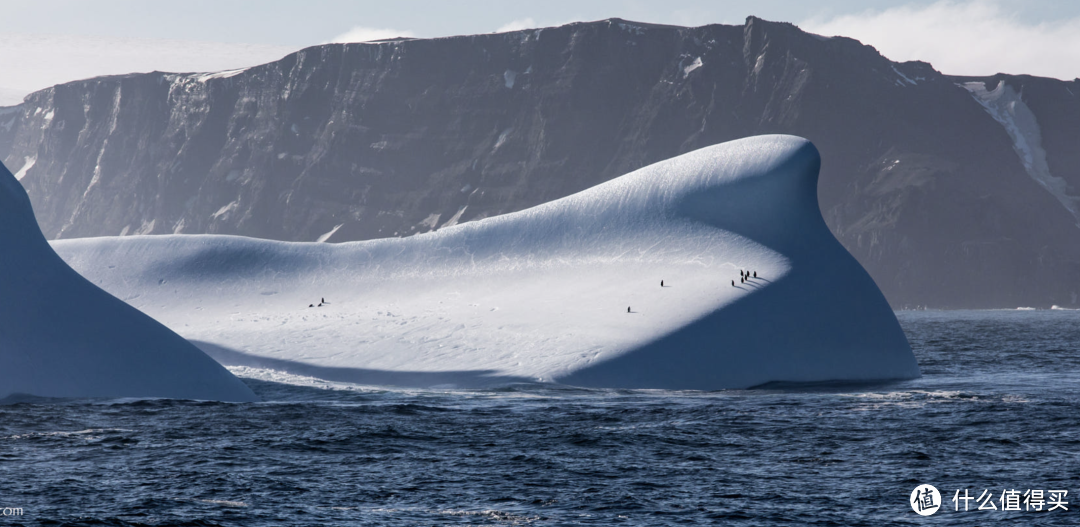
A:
x: 62, y: 336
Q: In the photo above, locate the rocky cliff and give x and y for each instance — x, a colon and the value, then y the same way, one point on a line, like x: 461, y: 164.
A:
x: 952, y: 192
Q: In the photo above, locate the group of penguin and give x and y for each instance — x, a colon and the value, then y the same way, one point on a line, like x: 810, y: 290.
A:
x: 744, y: 276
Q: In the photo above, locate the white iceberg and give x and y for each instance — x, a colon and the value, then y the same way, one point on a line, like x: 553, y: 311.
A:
x: 543, y: 294
x: 60, y: 336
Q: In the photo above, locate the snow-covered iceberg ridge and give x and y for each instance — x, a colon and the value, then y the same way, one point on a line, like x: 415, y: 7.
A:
x: 569, y: 291
x: 60, y: 336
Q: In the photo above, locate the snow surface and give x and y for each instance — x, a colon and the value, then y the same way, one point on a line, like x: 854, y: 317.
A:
x: 542, y: 294
x: 1008, y: 108
x: 60, y: 336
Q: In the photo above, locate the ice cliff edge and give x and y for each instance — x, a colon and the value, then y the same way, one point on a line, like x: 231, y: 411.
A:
x: 569, y: 291
x: 822, y: 319
x: 62, y: 336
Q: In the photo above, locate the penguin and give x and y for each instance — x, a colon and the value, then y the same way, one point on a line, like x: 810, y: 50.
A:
x: 755, y: 274
x: 323, y: 300
x: 661, y: 283
x: 627, y: 309
x: 313, y: 305
x: 733, y: 283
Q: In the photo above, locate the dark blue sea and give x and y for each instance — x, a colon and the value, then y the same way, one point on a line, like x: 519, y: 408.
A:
x: 997, y: 410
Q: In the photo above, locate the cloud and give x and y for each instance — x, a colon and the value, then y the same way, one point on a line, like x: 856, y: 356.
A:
x: 367, y: 34
x: 517, y: 25
x: 975, y: 37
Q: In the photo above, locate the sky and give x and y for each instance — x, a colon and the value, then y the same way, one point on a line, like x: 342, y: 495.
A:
x: 46, y: 42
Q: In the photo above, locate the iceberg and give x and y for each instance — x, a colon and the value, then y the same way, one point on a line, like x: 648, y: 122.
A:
x: 568, y: 292
x: 61, y: 336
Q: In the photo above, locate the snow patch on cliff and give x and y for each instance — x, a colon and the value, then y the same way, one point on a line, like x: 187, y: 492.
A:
x: 905, y: 77
x: 632, y: 28
x: 1008, y: 108
x: 225, y: 210
x: 326, y: 236
x: 147, y: 227
x: 693, y: 66
x: 431, y: 221
x: 502, y: 139
x: 220, y: 75
x: 455, y: 218
x: 28, y: 163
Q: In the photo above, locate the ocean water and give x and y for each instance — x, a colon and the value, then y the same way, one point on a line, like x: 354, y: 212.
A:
x: 997, y: 409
